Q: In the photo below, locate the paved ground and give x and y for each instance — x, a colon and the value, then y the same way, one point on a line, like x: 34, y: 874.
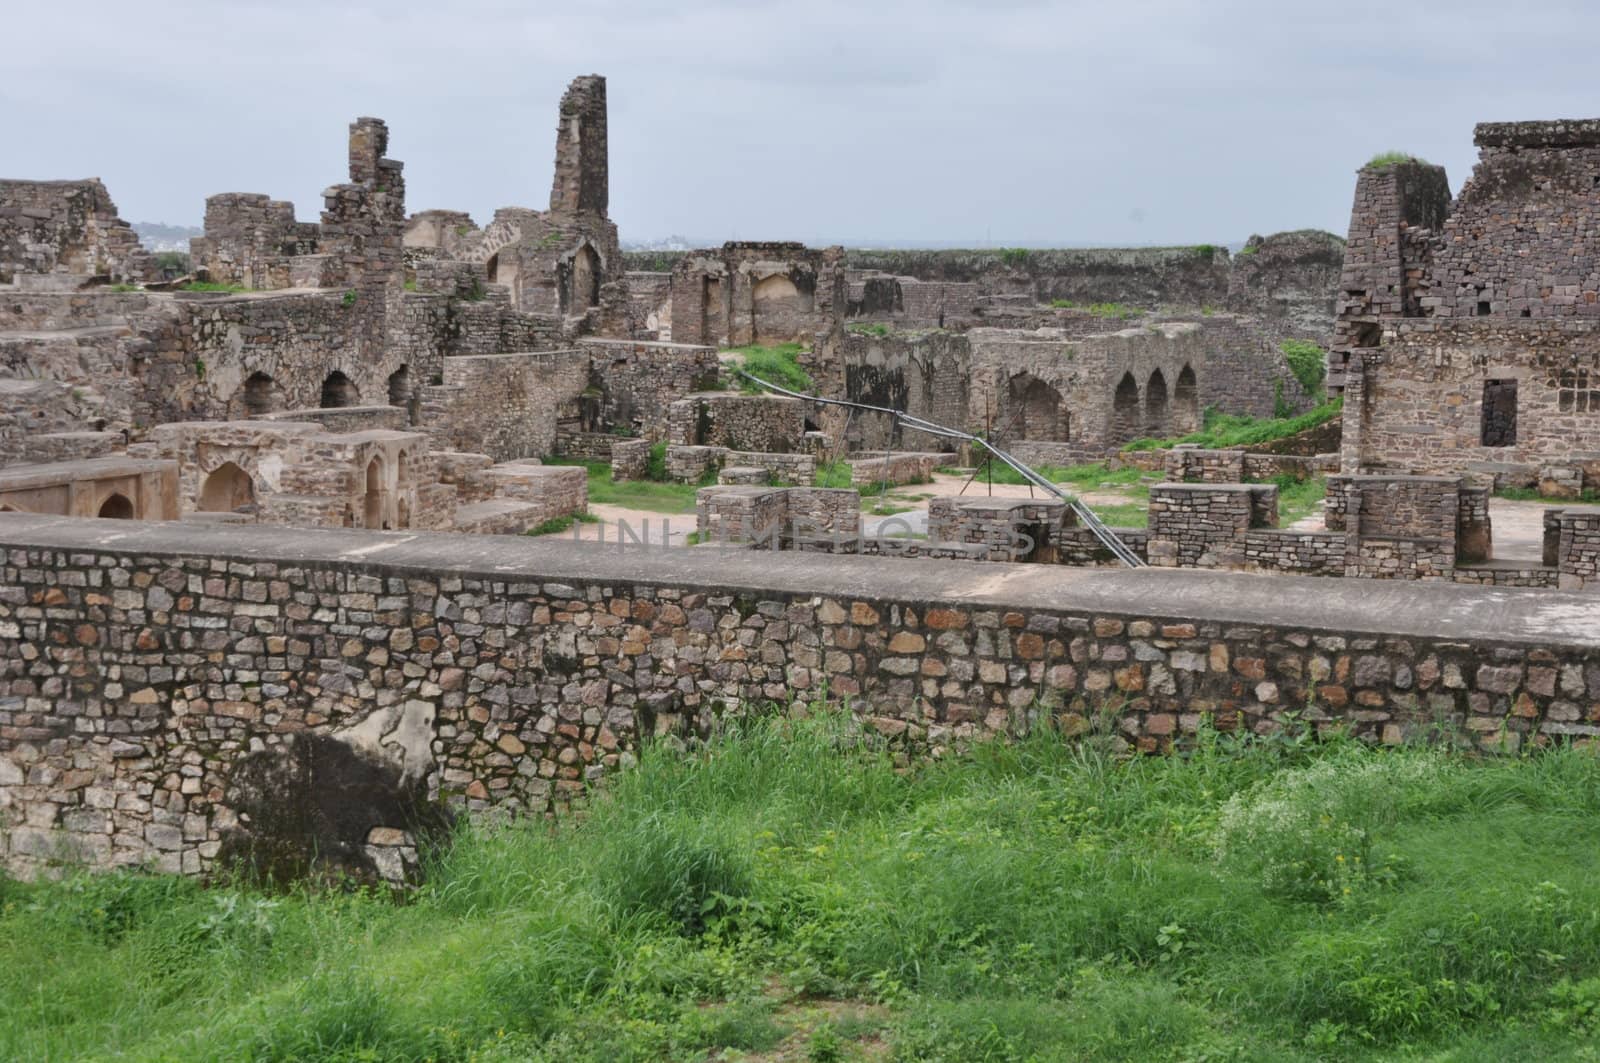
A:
x: 1407, y: 609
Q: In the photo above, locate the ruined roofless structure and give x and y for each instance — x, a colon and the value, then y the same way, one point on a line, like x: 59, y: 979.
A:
x: 1468, y: 337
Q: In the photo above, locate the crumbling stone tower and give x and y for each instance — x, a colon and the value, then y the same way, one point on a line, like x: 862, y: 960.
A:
x: 363, y: 226
x: 1396, y: 208
x: 582, y: 181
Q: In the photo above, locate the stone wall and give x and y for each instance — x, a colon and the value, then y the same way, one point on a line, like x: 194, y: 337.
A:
x: 757, y: 293
x: 895, y: 469
x: 507, y: 405
x: 1423, y: 401
x: 52, y: 232
x: 641, y: 381
x: 770, y: 424
x: 148, y: 674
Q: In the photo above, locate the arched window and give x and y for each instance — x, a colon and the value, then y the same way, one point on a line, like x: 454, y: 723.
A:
x: 117, y: 507
x: 339, y: 390
x: 227, y: 490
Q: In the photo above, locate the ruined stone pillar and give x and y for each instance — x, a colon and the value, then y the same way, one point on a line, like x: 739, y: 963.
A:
x: 581, y: 181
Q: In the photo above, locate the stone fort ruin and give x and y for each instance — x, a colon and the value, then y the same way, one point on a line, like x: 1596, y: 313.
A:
x: 258, y: 555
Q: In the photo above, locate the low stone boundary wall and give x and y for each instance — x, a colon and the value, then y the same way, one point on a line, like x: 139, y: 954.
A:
x: 686, y: 464
x: 785, y: 518
x: 1253, y: 466
x: 895, y: 469
x: 346, y: 418
x: 152, y: 675
x: 590, y: 446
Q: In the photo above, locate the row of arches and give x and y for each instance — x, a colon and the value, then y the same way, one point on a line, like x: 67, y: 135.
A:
x: 260, y: 393
x: 1153, y: 411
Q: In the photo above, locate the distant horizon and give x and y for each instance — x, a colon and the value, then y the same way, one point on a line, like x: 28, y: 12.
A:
x: 632, y: 245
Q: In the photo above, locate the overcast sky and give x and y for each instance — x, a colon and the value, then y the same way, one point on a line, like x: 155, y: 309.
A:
x: 972, y: 123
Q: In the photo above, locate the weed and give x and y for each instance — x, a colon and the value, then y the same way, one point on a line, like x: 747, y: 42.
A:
x: 777, y: 365
x: 1385, y: 159
x: 1223, y: 430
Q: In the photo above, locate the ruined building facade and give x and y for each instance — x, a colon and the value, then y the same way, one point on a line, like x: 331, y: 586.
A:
x: 1467, y: 335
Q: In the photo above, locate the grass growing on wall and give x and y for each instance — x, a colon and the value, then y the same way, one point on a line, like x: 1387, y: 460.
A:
x: 777, y: 365
x: 1385, y: 159
x: 1224, y: 430
x: 791, y: 890
x: 561, y: 523
x: 1112, y: 311
x: 212, y: 286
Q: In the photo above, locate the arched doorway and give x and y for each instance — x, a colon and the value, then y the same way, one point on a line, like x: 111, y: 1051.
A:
x: 1156, y: 416
x: 259, y: 395
x: 339, y: 390
x: 117, y: 507
x: 1125, y: 410
x: 227, y: 490
x: 1186, y: 403
x: 373, y: 502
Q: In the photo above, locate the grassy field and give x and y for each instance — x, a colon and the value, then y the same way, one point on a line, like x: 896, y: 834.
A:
x: 654, y: 496
x: 789, y: 892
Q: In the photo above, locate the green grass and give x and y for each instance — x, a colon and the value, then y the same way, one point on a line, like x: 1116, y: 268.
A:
x: 791, y: 884
x: 1308, y: 363
x: 636, y: 494
x: 1223, y: 430
x: 1588, y: 497
x: 1385, y: 159
x: 864, y: 329
x: 1298, y: 498
x: 561, y: 523
x: 777, y: 365
x: 212, y: 286
x: 1114, y: 311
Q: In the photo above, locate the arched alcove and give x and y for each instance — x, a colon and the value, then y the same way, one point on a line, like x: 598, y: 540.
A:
x: 1186, y: 403
x: 339, y: 390
x: 1037, y: 411
x: 1125, y: 410
x: 259, y: 395
x: 117, y: 507
x: 1157, y: 417
x: 227, y: 489
x: 372, y: 507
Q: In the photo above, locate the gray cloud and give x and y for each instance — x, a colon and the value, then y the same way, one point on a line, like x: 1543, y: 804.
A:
x: 939, y: 120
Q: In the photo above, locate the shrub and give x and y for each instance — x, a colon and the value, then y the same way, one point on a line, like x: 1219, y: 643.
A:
x: 655, y: 466
x: 1308, y: 363
x: 1015, y: 257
